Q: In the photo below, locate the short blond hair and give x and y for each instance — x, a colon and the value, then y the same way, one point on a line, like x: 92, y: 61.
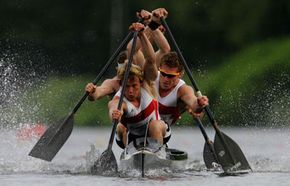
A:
x: 134, y: 70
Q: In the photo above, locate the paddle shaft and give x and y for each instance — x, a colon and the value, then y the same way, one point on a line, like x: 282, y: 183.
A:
x: 57, y: 134
x: 194, y: 84
x: 51, y: 137
x: 126, y: 75
x: 143, y: 165
x: 104, y: 69
x: 96, y: 80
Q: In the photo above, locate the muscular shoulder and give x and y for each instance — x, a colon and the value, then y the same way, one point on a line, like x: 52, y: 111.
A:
x: 185, y: 90
x: 184, y: 97
x: 113, y: 83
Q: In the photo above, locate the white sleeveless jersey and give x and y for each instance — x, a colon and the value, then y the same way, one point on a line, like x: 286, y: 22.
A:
x: 168, y: 109
x: 136, y: 119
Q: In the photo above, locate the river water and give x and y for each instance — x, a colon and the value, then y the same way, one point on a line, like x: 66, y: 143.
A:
x: 267, y: 150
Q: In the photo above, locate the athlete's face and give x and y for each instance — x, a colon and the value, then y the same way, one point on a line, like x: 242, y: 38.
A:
x: 168, y: 77
x: 133, y: 88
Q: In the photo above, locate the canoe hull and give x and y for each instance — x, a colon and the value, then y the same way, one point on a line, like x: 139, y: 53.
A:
x: 152, y: 155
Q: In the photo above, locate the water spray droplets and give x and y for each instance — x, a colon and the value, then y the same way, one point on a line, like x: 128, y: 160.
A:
x: 16, y: 79
x: 276, y: 101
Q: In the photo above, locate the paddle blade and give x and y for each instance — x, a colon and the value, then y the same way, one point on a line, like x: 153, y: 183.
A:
x: 238, y: 162
x: 209, y: 157
x: 106, y: 164
x: 52, y: 140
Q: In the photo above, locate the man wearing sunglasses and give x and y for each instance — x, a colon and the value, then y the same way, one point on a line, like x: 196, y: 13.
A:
x: 174, y: 96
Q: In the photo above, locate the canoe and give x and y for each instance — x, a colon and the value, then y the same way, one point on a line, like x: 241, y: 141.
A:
x: 147, y: 153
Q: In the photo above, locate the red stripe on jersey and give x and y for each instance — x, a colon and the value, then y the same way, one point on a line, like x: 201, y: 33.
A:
x: 165, y: 110
x: 153, y: 106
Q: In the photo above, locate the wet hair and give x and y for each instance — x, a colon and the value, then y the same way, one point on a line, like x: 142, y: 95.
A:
x: 171, y: 60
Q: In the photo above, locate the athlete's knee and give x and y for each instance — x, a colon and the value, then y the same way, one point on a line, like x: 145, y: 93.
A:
x: 157, y: 126
x: 121, y: 129
x: 121, y: 138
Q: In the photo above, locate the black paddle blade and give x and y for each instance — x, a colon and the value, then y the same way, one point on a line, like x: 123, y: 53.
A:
x: 52, y: 140
x: 236, y: 163
x: 106, y: 164
x: 209, y: 157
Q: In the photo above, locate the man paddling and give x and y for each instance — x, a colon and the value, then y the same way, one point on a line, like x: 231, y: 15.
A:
x: 174, y: 95
x: 138, y: 115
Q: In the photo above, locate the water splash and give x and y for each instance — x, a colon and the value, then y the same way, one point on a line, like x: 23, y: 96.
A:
x: 18, y: 74
x: 91, y: 157
x: 266, y: 104
x: 17, y: 104
x: 274, y: 103
x: 13, y: 154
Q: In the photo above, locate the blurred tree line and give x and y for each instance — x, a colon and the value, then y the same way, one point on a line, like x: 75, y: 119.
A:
x: 243, y: 45
x: 80, y: 36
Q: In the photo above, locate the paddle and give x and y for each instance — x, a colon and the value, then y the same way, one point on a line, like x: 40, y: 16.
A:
x: 106, y: 164
x: 57, y: 134
x: 230, y: 159
x: 209, y: 156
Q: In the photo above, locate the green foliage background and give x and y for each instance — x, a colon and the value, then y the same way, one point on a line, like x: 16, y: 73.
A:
x: 238, y: 52
x: 249, y: 88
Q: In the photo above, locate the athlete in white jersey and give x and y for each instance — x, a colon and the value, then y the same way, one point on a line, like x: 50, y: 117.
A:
x: 174, y: 96
x: 168, y: 106
x: 136, y: 119
x: 138, y: 115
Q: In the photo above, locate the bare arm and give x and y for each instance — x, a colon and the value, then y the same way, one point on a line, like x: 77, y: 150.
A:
x: 162, y: 44
x: 109, y: 86
x: 157, y: 36
x: 150, y: 67
x: 187, y: 96
x: 193, y: 104
x: 146, y: 17
x: 148, y: 33
x: 138, y: 56
x: 114, y: 113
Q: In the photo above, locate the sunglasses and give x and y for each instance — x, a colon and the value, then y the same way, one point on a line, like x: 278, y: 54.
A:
x: 169, y: 76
